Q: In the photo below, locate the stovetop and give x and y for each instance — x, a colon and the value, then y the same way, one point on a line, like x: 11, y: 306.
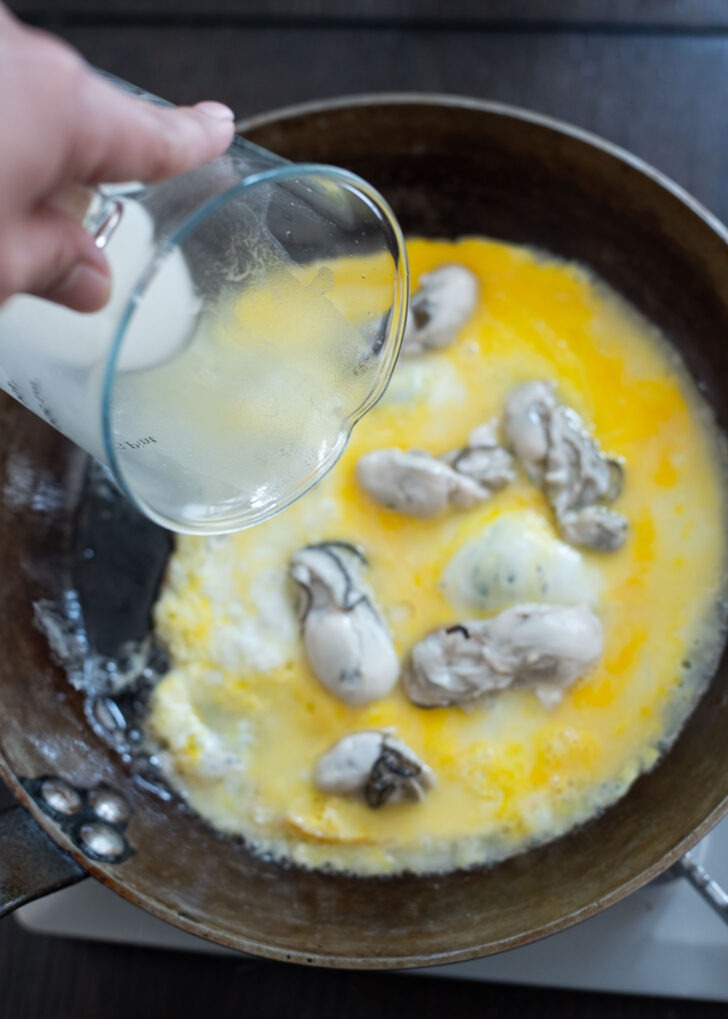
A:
x: 663, y: 940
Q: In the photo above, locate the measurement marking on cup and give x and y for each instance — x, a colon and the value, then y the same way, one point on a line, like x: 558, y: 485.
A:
x: 16, y: 392
x: 45, y: 410
x: 145, y: 440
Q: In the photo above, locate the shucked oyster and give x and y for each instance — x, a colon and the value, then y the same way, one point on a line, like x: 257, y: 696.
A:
x: 420, y: 485
x: 483, y: 459
x: 595, y: 527
x: 375, y: 763
x: 561, y: 456
x: 416, y: 483
x: 526, y: 422
x: 347, y: 643
x: 545, y: 646
x: 445, y: 299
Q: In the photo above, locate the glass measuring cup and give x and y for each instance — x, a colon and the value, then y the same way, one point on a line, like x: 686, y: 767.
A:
x: 256, y: 314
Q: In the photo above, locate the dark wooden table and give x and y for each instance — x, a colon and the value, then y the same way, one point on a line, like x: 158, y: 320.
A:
x: 651, y: 75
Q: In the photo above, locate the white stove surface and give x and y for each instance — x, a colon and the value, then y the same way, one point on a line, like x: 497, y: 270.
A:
x: 663, y: 940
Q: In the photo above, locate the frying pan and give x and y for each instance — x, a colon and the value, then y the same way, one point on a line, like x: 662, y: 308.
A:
x: 449, y: 167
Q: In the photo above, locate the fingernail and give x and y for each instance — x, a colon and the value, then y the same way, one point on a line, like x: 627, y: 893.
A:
x: 218, y: 111
x: 85, y: 288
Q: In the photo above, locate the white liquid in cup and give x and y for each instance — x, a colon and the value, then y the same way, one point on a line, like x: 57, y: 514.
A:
x: 218, y: 417
x: 250, y: 410
x: 53, y: 359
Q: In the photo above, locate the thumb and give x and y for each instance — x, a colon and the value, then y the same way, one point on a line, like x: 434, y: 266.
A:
x: 50, y: 255
x: 120, y: 137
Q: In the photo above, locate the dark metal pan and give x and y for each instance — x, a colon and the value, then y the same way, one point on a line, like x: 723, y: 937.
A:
x: 449, y: 167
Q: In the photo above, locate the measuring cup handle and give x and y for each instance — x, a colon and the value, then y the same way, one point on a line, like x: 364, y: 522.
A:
x: 102, y: 217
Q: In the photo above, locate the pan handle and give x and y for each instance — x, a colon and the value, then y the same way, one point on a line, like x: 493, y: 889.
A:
x: 31, y: 864
x: 703, y: 884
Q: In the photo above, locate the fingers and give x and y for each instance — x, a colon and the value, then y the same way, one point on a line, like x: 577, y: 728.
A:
x: 123, y: 138
x: 72, y: 200
x: 87, y: 130
x: 85, y: 287
x: 63, y: 129
x: 51, y: 256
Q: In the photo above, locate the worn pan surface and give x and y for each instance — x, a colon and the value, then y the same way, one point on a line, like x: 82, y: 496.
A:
x: 448, y: 167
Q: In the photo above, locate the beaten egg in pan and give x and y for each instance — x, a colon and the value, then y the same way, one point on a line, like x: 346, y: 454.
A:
x: 492, y: 615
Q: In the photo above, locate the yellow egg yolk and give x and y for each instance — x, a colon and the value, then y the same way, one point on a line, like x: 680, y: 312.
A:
x: 241, y: 717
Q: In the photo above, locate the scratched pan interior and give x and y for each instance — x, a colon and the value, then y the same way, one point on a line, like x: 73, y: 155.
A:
x: 448, y: 167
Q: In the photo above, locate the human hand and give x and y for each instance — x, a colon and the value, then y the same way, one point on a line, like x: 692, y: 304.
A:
x: 64, y: 129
